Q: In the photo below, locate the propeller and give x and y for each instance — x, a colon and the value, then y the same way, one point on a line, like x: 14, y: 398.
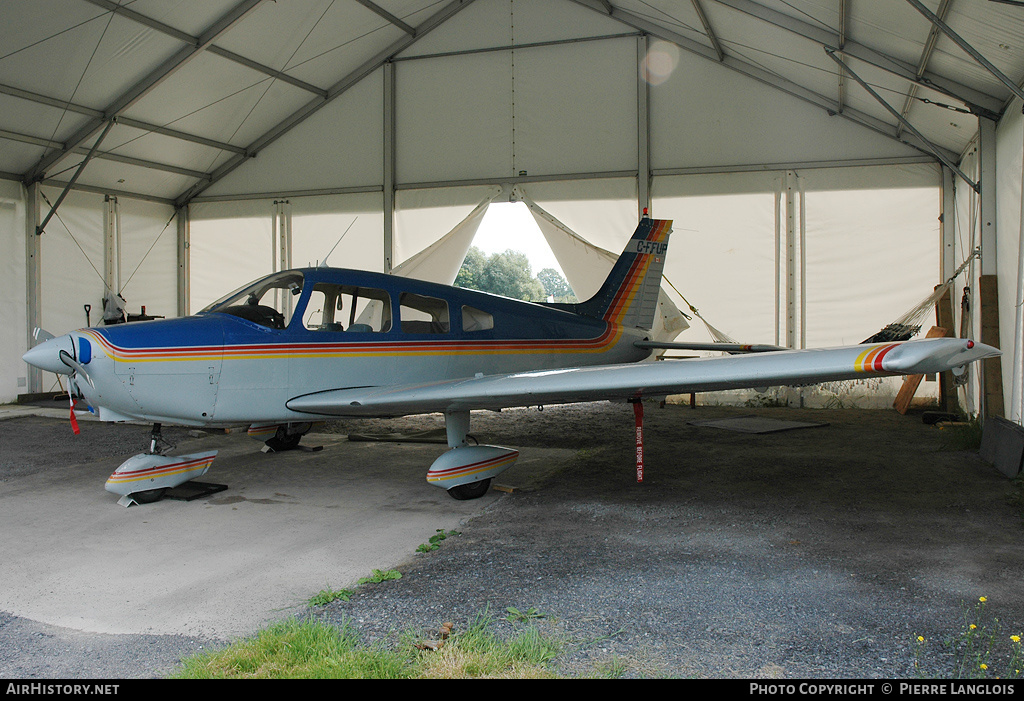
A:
x: 52, y: 354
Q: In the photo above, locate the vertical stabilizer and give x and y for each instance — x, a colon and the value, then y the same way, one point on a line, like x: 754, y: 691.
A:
x: 629, y: 296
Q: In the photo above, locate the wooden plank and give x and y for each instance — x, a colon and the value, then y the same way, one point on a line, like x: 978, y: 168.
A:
x: 912, y: 382
x: 948, y: 400
x: 991, y: 367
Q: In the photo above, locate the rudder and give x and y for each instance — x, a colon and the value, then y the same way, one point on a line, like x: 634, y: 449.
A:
x: 629, y: 295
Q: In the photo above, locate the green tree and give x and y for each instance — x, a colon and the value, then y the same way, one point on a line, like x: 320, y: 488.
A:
x: 472, y: 269
x: 508, y: 274
x: 556, y: 286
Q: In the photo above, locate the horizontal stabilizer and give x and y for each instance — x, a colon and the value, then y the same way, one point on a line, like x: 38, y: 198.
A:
x: 724, y: 347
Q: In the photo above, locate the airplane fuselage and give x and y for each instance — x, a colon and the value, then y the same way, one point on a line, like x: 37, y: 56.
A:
x: 338, y: 329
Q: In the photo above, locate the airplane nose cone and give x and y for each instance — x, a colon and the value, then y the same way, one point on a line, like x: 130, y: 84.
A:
x: 46, y: 355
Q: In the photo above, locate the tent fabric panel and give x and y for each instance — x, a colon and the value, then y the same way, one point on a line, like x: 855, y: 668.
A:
x: 995, y: 32
x: 319, y: 223
x: 149, y: 257
x: 41, y: 121
x: 19, y: 156
x: 219, y: 99
x: 190, y: 16
x: 453, y: 118
x: 722, y: 254
x: 314, y: 42
x: 12, y: 287
x: 880, y: 177
x: 114, y: 176
x: 496, y: 23
x: 482, y: 25
x: 1010, y: 249
x: 88, y: 55
x: 422, y: 217
x: 574, y: 108
x: 603, y: 211
x: 301, y: 31
x: 441, y: 261
x: 165, y: 150
x: 230, y: 245
x: 872, y: 254
x: 341, y: 145
x: 71, y: 255
x: 704, y: 114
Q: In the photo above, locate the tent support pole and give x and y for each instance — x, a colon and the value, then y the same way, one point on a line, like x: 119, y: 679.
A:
x: 643, y: 122
x: 184, y: 260
x: 81, y: 166
x: 389, y: 166
x: 992, y: 375
x: 33, y: 286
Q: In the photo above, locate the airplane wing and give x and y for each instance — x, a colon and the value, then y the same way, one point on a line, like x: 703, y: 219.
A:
x: 602, y: 382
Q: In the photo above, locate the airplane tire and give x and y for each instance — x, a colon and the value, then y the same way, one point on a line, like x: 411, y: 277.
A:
x: 149, y: 496
x: 473, y: 490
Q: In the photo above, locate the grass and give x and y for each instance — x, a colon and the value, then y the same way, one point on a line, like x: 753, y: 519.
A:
x: 962, y: 435
x: 326, y: 596
x: 434, y: 542
x: 379, y: 576
x: 299, y: 650
x: 296, y: 649
x: 304, y: 649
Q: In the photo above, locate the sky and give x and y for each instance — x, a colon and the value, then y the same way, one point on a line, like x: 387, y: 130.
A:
x: 510, y: 225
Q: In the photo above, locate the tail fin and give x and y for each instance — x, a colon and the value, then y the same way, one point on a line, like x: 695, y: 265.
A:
x: 629, y: 296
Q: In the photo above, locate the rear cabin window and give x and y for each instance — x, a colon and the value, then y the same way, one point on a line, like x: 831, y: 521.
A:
x: 475, y: 320
x: 347, y: 308
x: 421, y: 314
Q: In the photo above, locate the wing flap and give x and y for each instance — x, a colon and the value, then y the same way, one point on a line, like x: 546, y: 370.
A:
x: 601, y: 382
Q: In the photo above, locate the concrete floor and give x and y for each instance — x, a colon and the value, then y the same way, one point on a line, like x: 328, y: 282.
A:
x: 289, y: 525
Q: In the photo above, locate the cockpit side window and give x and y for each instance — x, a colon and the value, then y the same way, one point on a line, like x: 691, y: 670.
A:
x: 422, y: 314
x: 268, y: 302
x: 349, y: 308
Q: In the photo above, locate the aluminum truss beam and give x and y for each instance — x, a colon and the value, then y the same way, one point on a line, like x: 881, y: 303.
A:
x: 948, y: 162
x: 197, y: 41
x: 756, y: 73
x: 978, y: 102
x: 970, y: 50
x: 339, y: 88
x: 712, y: 37
x: 142, y: 87
x: 922, y: 64
x: 380, y: 11
x: 122, y: 120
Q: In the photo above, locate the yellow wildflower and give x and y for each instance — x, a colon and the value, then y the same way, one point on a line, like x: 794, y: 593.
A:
x: 1015, y: 638
x: 920, y: 639
x: 984, y: 666
x: 982, y: 599
x: 973, y: 626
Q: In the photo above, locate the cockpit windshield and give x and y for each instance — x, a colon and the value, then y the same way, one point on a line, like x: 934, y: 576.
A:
x: 268, y: 302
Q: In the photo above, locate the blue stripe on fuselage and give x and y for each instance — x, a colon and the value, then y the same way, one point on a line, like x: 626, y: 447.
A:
x: 513, y: 319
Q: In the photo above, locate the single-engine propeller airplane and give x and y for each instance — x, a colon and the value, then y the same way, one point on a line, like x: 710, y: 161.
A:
x: 306, y: 345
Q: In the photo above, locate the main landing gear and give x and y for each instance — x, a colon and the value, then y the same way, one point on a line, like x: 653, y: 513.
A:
x: 145, y: 478
x: 466, y: 470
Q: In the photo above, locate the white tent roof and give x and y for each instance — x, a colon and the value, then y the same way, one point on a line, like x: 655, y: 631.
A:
x: 226, y: 97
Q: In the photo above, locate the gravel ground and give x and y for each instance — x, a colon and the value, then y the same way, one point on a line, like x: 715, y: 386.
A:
x: 813, y: 553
